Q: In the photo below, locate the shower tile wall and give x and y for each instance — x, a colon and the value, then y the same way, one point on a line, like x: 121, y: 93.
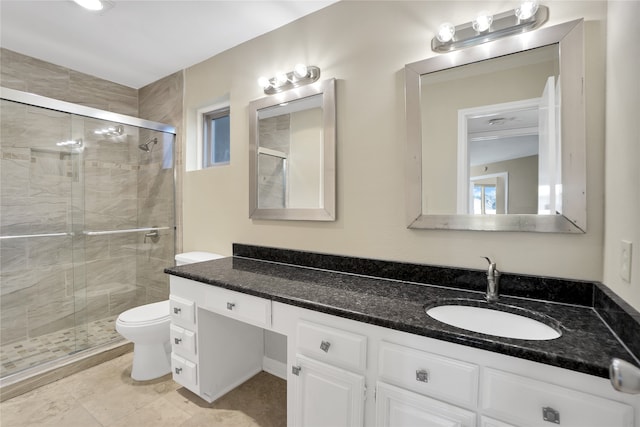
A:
x: 29, y: 74
x: 161, y: 101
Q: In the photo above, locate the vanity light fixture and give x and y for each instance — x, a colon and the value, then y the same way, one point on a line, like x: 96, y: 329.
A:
x: 528, y: 16
x: 95, y: 5
x: 300, y: 76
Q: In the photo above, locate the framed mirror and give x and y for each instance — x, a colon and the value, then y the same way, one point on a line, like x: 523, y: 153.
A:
x: 292, y: 145
x: 496, y: 135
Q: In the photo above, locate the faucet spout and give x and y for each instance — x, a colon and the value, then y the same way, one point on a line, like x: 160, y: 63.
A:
x: 493, y: 281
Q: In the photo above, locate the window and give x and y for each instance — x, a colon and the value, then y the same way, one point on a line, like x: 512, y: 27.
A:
x: 216, y: 138
x: 484, y: 199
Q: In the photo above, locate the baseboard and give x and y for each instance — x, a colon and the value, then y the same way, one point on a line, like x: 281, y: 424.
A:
x: 274, y: 367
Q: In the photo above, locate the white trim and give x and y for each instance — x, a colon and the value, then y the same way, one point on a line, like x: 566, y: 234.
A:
x: 274, y: 367
x: 464, y: 115
x: 200, y: 112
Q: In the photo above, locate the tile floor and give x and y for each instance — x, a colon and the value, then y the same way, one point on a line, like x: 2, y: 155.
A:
x: 106, y: 396
x: 21, y: 355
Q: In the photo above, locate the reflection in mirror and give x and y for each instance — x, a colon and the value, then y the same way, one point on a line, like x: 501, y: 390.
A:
x: 489, y: 131
x: 493, y: 140
x: 292, y: 164
x: 290, y: 158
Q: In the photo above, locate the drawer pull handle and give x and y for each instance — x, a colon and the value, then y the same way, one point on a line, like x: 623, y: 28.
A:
x: 230, y: 305
x: 422, y: 375
x: 176, y: 310
x: 177, y: 340
x: 178, y: 370
x: 324, y: 346
x: 550, y: 415
x: 295, y: 370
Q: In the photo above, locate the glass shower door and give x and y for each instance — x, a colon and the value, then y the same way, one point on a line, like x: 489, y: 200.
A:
x: 128, y: 221
x: 40, y: 295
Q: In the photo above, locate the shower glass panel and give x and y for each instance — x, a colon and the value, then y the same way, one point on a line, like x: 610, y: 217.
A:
x: 87, y: 228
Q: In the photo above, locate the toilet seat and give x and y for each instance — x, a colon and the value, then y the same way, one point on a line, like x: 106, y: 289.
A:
x: 148, y: 314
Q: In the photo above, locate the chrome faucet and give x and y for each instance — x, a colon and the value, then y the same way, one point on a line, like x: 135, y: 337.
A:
x: 493, y: 281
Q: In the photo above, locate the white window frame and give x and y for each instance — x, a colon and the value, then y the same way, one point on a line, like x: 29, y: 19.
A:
x: 200, y: 115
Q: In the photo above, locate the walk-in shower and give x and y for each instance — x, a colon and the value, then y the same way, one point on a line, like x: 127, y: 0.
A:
x: 79, y: 203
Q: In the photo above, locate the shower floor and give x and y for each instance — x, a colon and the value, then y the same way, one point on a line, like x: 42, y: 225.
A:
x: 21, y: 355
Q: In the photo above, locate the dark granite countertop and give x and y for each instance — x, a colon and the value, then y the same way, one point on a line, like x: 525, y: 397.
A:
x: 587, y: 344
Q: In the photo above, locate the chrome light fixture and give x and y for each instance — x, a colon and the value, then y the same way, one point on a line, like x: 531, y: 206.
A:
x: 95, y: 5
x: 300, y: 76
x: 486, y: 27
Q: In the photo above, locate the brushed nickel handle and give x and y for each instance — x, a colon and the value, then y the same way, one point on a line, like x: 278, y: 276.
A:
x: 230, y: 305
x: 422, y: 375
x: 178, y: 370
x: 176, y: 310
x: 324, y: 346
x: 177, y: 340
x: 551, y: 415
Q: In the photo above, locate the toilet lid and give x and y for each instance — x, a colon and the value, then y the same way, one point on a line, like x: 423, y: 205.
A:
x: 146, y: 313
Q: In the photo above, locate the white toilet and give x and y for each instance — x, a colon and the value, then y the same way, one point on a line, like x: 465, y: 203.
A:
x: 147, y: 326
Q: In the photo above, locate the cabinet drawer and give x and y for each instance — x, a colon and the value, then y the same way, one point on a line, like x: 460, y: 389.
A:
x: 183, y: 311
x: 236, y: 305
x: 183, y: 341
x: 185, y: 372
x: 430, y: 374
x: 397, y: 407
x: 524, y: 401
x: 332, y: 345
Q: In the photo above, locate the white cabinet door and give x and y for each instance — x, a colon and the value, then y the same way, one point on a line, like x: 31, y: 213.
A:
x: 326, y: 395
x: 397, y: 407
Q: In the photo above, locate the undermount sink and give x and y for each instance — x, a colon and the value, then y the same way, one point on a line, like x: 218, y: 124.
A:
x: 492, y: 322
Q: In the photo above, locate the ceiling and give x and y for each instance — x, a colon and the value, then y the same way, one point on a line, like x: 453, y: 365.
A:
x: 135, y: 43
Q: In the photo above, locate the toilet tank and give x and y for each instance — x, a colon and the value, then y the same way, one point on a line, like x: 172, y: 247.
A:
x: 196, y: 256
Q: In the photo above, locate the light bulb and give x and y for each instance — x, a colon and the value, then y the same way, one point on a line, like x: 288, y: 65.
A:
x: 482, y: 22
x: 527, y: 9
x: 264, y: 82
x: 90, y: 4
x: 300, y: 71
x: 446, y: 31
x: 281, y: 78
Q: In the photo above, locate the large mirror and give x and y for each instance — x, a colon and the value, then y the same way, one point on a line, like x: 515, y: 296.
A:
x: 292, y: 154
x: 496, y: 135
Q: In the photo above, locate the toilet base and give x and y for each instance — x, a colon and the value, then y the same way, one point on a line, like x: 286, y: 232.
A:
x: 150, y: 361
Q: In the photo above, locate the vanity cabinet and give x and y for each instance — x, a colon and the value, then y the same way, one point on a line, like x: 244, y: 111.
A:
x: 342, y: 372
x: 328, y: 376
x: 217, y: 337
